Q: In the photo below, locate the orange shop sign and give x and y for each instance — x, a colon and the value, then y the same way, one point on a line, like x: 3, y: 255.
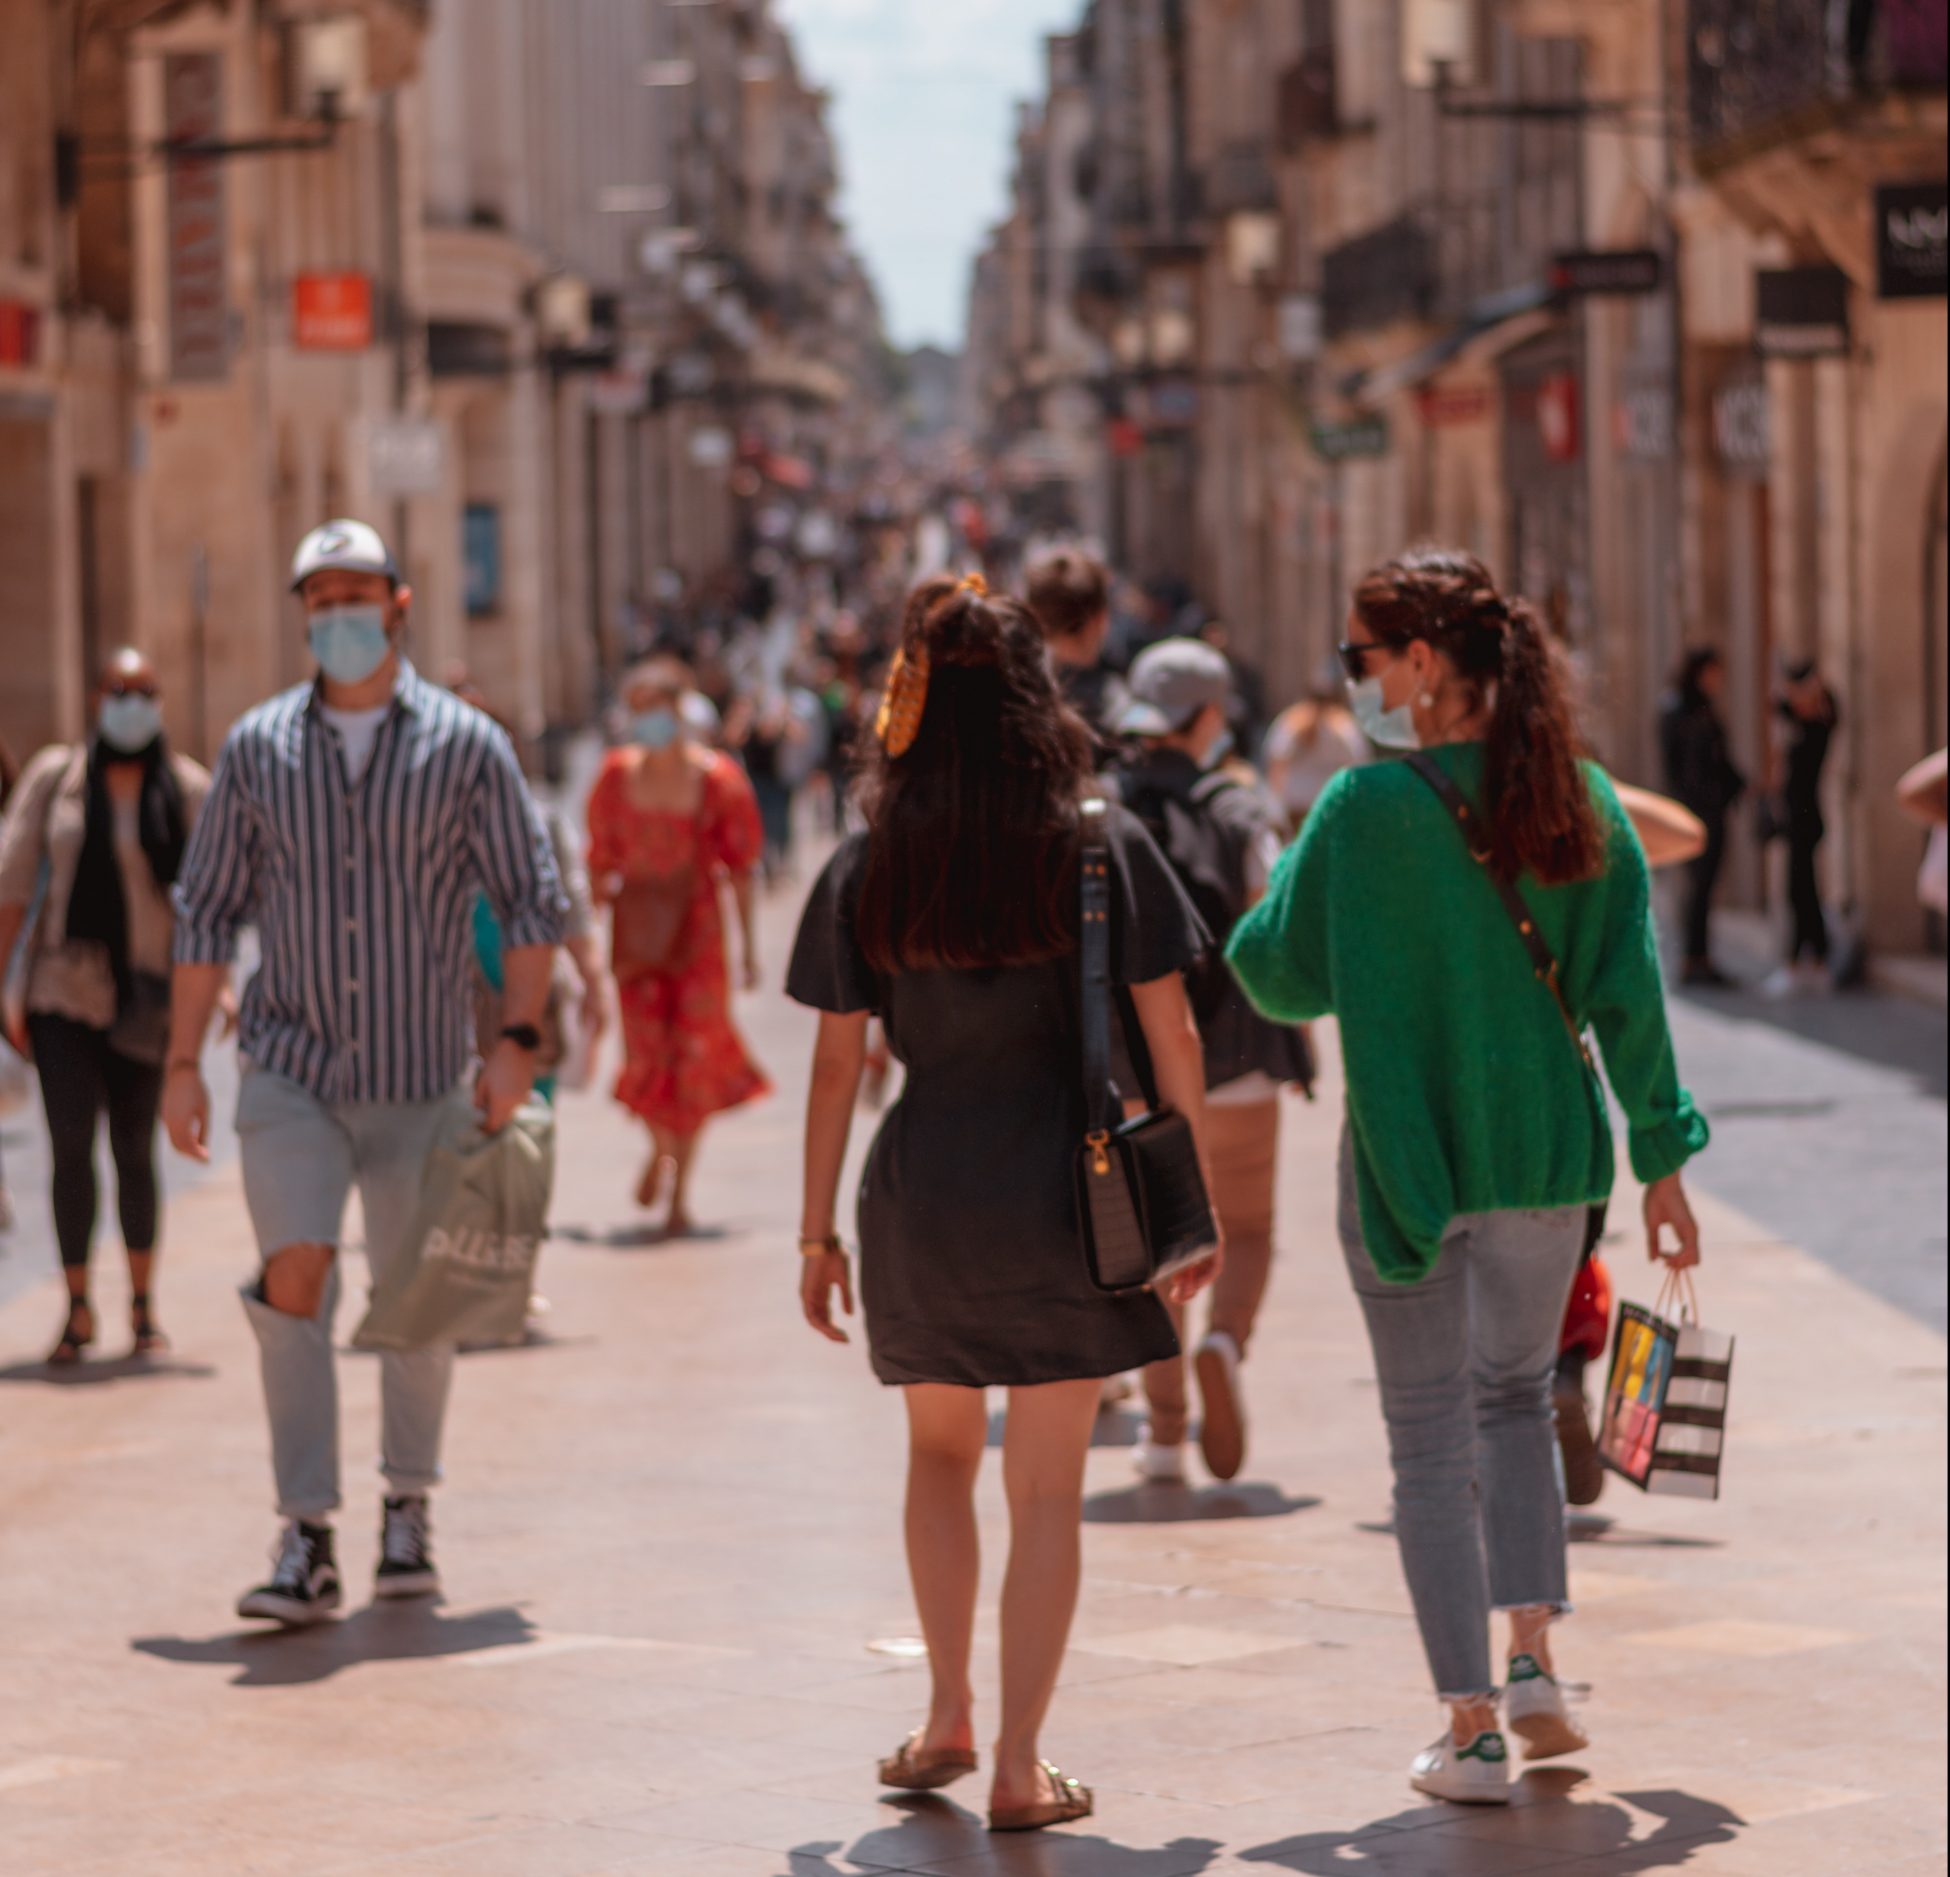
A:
x: 331, y: 312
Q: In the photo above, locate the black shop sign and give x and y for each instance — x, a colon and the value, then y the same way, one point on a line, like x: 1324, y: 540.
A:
x: 1801, y: 312
x: 1605, y: 272
x: 1913, y: 240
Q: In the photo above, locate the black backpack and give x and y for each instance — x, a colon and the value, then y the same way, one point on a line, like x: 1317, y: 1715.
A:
x: 1201, y: 856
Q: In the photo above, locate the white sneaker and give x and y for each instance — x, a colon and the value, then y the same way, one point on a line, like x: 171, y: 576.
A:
x: 1159, y: 1465
x: 1478, y: 1774
x: 1538, y: 1712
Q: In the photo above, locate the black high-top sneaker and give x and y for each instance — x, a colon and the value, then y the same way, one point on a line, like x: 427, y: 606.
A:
x: 406, y: 1567
x: 304, y: 1584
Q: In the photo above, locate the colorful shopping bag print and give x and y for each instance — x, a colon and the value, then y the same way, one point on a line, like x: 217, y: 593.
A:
x: 1665, y: 1414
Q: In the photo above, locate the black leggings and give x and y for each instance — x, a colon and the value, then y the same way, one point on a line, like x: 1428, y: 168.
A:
x: 1703, y: 879
x: 80, y: 1077
x: 1804, y: 896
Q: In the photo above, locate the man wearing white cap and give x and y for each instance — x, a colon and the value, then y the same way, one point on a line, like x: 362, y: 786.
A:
x: 353, y: 820
x: 1222, y: 838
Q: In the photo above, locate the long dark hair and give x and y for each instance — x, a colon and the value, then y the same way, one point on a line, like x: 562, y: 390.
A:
x: 1537, y: 799
x: 972, y: 830
x: 1690, y: 680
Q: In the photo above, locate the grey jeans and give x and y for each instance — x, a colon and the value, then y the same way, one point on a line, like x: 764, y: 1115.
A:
x: 1465, y: 1360
x: 301, y: 1158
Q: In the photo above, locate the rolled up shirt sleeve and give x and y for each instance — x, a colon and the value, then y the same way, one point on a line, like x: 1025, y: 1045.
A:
x: 216, y: 885
x: 514, y: 855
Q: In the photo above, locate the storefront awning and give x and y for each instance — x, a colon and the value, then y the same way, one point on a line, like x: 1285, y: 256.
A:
x: 1502, y: 318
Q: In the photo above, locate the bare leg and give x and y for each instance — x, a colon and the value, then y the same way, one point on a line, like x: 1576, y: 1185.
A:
x: 947, y: 1433
x: 683, y: 1152
x: 651, y: 1185
x: 1043, y: 1464
x: 1530, y: 1634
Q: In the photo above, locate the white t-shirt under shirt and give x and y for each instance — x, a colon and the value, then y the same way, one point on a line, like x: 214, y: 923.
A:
x: 358, y: 733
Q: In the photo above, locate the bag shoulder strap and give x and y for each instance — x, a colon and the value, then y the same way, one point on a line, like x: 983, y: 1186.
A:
x: 1093, y: 944
x: 1469, y: 824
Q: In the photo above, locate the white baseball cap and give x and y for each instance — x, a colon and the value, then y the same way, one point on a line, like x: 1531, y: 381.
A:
x: 348, y: 546
x: 1170, y: 684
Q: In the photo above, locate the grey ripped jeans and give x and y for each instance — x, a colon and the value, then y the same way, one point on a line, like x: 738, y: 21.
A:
x: 1465, y: 1360
x: 301, y: 1159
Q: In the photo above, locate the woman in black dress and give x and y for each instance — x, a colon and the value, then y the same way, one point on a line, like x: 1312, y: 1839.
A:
x: 953, y: 919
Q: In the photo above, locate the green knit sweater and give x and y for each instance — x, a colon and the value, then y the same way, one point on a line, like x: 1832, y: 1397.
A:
x: 1464, y: 1093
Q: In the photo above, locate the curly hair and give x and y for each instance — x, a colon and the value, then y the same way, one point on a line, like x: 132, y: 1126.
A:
x: 1537, y: 802
x: 972, y: 830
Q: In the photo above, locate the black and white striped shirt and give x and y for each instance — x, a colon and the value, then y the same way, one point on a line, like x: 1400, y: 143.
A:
x: 363, y: 894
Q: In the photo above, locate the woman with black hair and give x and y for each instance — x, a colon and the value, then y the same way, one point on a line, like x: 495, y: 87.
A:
x: 1700, y: 772
x: 954, y: 919
x: 105, y: 827
x: 1418, y: 909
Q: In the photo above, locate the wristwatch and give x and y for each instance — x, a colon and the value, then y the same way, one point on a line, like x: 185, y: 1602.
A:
x: 523, y: 1036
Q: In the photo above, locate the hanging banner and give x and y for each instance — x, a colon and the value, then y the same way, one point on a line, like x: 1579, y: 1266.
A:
x: 195, y: 248
x: 331, y: 312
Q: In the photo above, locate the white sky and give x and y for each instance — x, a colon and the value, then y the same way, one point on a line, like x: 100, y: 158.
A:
x: 924, y: 108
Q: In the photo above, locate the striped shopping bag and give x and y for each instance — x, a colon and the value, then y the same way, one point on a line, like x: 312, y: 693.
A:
x: 1665, y: 1417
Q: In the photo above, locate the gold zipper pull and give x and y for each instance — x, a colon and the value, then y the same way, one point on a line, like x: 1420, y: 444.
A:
x: 1099, y: 1145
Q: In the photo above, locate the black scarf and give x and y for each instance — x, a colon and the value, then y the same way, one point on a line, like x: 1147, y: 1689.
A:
x: 97, y: 910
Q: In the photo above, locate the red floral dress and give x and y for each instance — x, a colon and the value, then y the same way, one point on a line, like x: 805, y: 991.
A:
x: 683, y: 1060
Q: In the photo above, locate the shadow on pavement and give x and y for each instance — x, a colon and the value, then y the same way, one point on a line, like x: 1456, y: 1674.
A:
x: 1599, y: 1837
x: 1890, y: 1032
x: 102, y: 1374
x: 934, y: 1833
x: 644, y: 1237
x: 1191, y: 1505
x: 398, y: 1632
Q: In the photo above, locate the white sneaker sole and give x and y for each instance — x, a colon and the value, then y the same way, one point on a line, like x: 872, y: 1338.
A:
x: 269, y: 1607
x: 420, y: 1584
x: 1548, y: 1734
x: 1460, y: 1794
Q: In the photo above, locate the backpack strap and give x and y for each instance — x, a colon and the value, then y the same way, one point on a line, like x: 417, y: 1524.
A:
x: 1543, y: 961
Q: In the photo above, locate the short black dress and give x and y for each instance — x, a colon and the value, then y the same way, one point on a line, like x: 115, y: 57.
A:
x: 972, y: 1266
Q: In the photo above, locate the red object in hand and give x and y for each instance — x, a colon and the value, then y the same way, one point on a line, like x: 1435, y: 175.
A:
x: 1587, y: 1322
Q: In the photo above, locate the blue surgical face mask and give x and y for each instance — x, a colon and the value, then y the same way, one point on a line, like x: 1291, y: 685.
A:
x: 1220, y: 748
x: 350, y: 642
x: 656, y: 729
x: 129, y: 723
x: 1385, y: 728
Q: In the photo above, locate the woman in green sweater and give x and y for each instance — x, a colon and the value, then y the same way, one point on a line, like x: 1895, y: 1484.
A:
x: 1477, y: 1132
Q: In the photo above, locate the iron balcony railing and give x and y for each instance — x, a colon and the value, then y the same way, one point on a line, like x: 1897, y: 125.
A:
x: 1376, y: 279
x: 1763, y: 71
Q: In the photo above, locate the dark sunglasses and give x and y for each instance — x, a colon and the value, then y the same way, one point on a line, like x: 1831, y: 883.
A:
x: 1354, y: 658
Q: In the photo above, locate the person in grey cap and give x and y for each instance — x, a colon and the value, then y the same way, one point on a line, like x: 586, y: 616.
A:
x: 354, y: 820
x: 1222, y: 837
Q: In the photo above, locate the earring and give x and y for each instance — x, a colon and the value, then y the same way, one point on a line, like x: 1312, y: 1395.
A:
x: 1427, y: 700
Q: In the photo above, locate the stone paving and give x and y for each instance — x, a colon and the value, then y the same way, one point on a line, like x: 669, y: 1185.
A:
x: 678, y: 1633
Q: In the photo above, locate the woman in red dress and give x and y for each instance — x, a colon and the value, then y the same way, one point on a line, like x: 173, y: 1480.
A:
x: 671, y: 825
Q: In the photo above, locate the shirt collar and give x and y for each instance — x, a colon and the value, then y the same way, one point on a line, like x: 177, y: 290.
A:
x: 409, y: 690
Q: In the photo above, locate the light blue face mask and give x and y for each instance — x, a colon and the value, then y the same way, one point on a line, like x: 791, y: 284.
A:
x: 1222, y: 746
x: 656, y: 729
x: 1385, y: 728
x: 129, y: 723
x: 350, y: 642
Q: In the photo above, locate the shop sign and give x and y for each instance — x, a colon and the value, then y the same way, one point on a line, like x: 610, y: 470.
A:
x: 1743, y: 427
x: 1913, y: 240
x: 1362, y: 438
x: 1448, y: 407
x: 405, y: 457
x: 20, y: 333
x: 1560, y: 417
x: 194, y: 245
x: 331, y: 312
x: 1607, y: 272
x: 1642, y: 426
x: 1801, y: 312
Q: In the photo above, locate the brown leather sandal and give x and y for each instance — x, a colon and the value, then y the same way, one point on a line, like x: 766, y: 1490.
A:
x: 149, y: 1338
x: 912, y: 1771
x: 1073, y: 1801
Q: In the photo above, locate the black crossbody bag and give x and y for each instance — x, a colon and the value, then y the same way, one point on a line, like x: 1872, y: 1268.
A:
x: 1141, y: 1198
x: 1543, y: 961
